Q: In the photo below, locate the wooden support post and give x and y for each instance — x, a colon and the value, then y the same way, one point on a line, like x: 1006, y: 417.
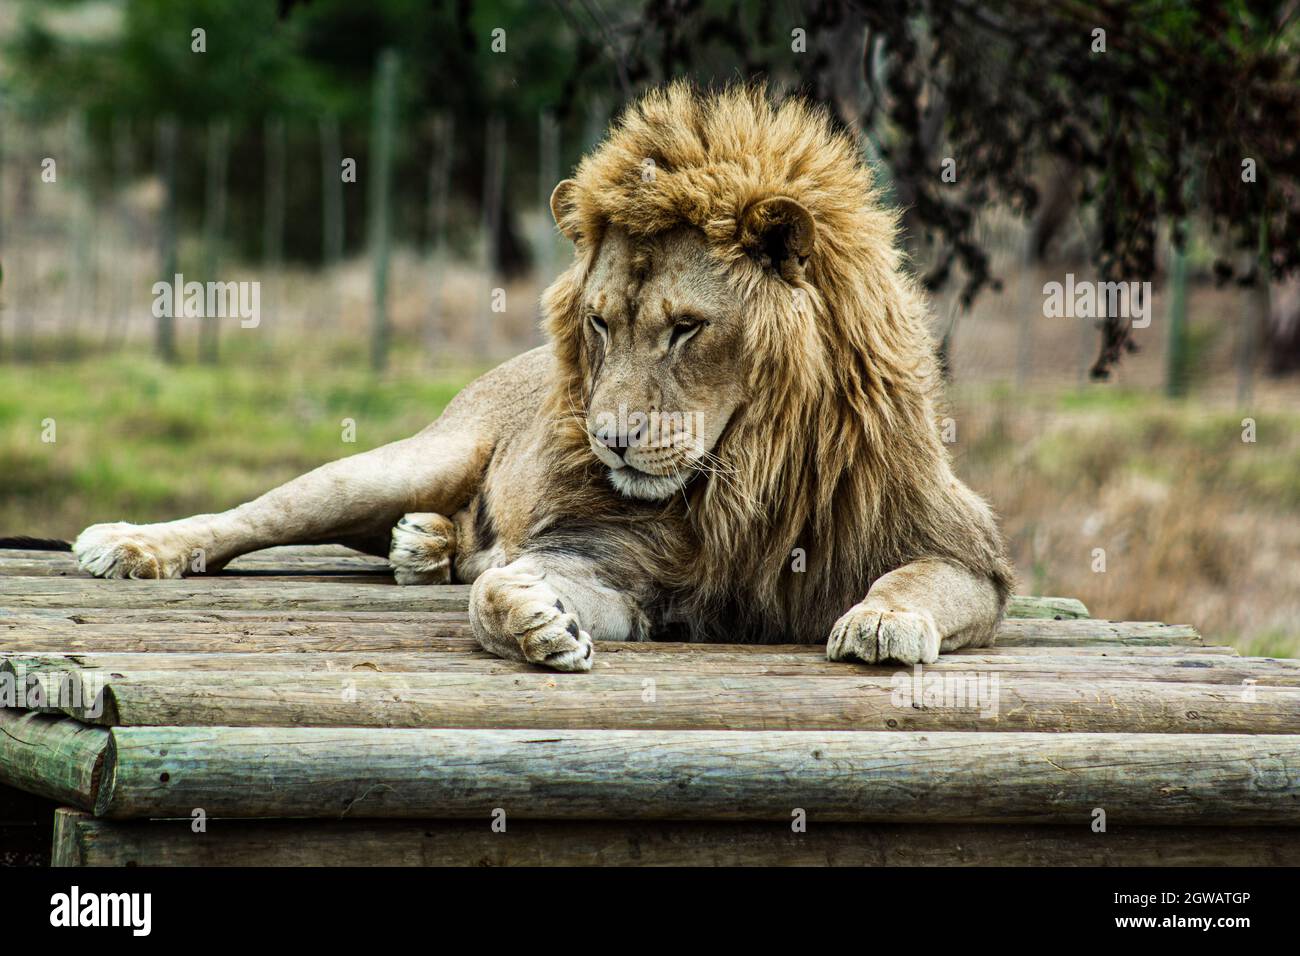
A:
x: 380, y: 196
x: 82, y: 840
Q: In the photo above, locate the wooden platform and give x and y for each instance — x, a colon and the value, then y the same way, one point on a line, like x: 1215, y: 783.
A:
x: 303, y: 709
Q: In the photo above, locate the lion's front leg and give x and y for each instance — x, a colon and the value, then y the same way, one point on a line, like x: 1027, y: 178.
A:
x: 547, y: 608
x: 355, y: 499
x: 916, y: 612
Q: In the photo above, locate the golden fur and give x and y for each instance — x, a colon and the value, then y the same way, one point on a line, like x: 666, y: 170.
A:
x: 836, y: 451
x: 823, y: 504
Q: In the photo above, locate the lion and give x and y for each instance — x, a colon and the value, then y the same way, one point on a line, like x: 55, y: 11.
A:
x: 731, y: 434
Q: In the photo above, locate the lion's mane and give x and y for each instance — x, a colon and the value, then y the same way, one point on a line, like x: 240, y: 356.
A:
x: 836, y: 456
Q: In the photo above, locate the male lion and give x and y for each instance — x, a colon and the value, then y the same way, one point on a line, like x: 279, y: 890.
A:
x: 730, y: 437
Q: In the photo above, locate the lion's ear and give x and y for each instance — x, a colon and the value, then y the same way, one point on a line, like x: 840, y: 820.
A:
x: 564, y: 200
x: 780, y: 233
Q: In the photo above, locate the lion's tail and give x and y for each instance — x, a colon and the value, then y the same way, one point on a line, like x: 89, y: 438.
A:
x: 22, y: 542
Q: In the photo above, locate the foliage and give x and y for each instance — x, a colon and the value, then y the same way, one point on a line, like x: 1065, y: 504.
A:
x: 1153, y: 130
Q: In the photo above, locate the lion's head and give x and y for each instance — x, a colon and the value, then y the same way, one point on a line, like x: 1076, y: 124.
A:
x: 662, y: 344
x: 736, y: 334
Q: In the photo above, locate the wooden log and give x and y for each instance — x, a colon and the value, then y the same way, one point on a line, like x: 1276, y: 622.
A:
x: 288, y: 561
x: 437, y: 636
x: 1138, y: 779
x: 1020, y: 633
x: 50, y: 756
x: 928, y: 701
x: 225, y: 593
x: 216, y: 592
x: 330, y: 560
x: 1057, y: 608
x: 803, y: 662
x: 83, y: 840
x: 112, y: 630
x: 1109, y: 652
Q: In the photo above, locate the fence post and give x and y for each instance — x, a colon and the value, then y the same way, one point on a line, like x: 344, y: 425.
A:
x: 4, y: 299
x: 81, y: 274
x: 1176, y: 342
x: 331, y: 157
x: 165, y: 327
x: 115, y: 329
x: 494, y: 161
x: 444, y: 133
x: 214, y: 227
x: 1027, y: 296
x: 548, y: 174
x: 273, y: 215
x: 381, y: 155
x: 1255, y: 322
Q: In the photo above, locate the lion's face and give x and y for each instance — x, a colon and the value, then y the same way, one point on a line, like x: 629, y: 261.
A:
x: 662, y: 334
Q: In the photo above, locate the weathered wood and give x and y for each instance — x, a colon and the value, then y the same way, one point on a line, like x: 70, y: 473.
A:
x: 803, y: 662
x: 437, y: 633
x: 273, y: 561
x: 1154, y: 779
x: 50, y: 756
x: 217, y: 592
x: 83, y: 840
x: 240, y: 631
x: 233, y: 593
x: 340, y: 575
x: 968, y: 701
x: 1058, y: 608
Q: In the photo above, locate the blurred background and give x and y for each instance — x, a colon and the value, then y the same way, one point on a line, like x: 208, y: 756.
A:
x: 381, y: 169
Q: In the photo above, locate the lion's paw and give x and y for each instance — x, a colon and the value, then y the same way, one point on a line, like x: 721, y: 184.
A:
x: 516, y: 614
x: 422, y: 549
x: 876, y: 635
x: 122, y: 550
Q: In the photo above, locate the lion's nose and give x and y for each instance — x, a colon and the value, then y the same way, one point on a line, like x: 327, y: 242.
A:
x: 612, y: 442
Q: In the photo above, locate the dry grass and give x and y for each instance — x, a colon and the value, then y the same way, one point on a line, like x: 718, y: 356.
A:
x: 1196, y: 525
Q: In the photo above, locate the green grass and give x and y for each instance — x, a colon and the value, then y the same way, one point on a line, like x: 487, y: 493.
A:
x: 1200, y: 527
x: 139, y: 440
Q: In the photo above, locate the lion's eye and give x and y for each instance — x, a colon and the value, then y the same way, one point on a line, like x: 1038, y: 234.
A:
x: 599, y: 325
x: 683, y: 329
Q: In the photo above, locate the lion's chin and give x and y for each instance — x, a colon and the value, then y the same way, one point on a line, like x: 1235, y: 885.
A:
x: 633, y: 483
